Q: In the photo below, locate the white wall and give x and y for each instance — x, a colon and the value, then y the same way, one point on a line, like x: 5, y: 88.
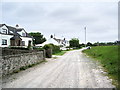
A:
x: 26, y: 39
x: 7, y: 37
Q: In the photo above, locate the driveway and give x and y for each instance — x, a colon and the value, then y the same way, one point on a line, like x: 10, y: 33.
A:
x: 72, y: 70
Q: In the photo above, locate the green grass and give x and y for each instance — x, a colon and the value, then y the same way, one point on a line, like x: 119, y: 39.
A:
x: 60, y: 53
x: 108, y: 57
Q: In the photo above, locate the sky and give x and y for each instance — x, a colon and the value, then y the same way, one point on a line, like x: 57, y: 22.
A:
x: 65, y: 19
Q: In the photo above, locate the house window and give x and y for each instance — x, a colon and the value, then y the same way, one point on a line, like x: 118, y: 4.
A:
x: 23, y: 43
x: 4, y: 31
x: 4, y: 42
x: 23, y: 34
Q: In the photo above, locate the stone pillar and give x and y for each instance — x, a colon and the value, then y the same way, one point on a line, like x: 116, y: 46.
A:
x: 49, y: 53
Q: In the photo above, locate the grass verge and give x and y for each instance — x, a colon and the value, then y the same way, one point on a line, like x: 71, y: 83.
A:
x: 60, y: 53
x: 64, y: 51
x: 108, y: 57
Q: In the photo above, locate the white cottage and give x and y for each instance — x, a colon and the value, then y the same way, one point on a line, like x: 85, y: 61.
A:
x: 53, y: 40
x: 14, y: 37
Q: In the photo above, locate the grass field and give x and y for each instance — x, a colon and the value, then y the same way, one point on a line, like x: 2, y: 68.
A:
x: 108, y: 57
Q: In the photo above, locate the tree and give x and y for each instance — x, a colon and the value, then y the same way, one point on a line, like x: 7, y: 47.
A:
x: 39, y: 39
x: 110, y: 43
x: 74, y: 42
x: 89, y: 44
x: 82, y: 45
x: 96, y: 44
x: 102, y: 44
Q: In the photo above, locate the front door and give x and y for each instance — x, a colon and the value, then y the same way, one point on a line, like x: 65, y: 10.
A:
x: 19, y: 42
x: 29, y: 43
x: 12, y: 42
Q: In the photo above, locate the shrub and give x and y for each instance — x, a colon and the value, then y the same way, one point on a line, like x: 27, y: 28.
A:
x: 74, y: 42
x: 47, y: 46
x: 54, y: 48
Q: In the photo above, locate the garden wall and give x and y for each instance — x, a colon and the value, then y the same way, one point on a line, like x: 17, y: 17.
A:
x: 13, y: 62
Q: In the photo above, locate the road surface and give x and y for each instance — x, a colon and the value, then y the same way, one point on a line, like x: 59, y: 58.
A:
x: 72, y: 70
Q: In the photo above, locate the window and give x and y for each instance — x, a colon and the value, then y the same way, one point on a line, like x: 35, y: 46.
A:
x: 4, y: 31
x: 23, y: 34
x: 11, y: 32
x: 4, y: 42
x: 23, y: 43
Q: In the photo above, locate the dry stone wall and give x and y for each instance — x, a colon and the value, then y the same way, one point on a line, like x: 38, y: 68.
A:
x: 12, y: 63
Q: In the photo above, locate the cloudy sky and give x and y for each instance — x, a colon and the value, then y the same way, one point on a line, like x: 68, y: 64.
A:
x: 65, y: 19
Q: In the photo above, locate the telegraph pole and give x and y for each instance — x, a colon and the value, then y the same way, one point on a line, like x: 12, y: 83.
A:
x: 85, y: 36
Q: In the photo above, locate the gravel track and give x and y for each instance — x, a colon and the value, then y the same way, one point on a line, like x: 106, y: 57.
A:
x: 72, y: 70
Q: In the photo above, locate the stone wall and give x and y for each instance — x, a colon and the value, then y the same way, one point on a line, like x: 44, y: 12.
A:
x: 11, y: 63
x: 9, y: 51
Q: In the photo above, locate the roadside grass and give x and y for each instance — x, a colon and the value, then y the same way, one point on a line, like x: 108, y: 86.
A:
x: 60, y: 53
x: 108, y: 57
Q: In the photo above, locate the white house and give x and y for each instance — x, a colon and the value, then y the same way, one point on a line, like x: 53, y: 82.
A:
x: 53, y: 40
x: 62, y: 42
x: 14, y: 37
x: 49, y: 41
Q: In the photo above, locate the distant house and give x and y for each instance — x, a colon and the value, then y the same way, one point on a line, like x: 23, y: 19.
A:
x: 62, y: 42
x: 14, y: 37
x: 55, y: 41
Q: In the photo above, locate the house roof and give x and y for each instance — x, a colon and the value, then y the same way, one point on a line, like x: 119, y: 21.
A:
x: 2, y: 25
x: 15, y: 30
x: 49, y: 41
x: 58, y: 40
x: 54, y: 41
x: 15, y: 37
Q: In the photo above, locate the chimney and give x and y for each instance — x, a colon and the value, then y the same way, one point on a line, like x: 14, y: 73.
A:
x: 51, y: 36
x: 17, y: 25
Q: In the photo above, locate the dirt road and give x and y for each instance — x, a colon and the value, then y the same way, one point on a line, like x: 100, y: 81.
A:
x: 72, y: 70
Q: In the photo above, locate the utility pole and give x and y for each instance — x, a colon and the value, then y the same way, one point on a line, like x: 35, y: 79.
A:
x: 85, y: 36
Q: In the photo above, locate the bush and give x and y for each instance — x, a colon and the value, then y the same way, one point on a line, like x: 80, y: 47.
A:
x: 47, y: 46
x: 74, y: 42
x: 54, y: 48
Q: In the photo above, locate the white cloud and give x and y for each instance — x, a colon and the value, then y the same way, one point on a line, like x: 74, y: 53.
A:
x: 66, y: 19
